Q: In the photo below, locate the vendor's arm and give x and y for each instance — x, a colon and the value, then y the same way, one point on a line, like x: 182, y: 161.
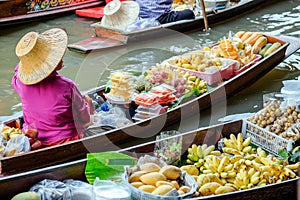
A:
x: 82, y: 107
x: 15, y: 78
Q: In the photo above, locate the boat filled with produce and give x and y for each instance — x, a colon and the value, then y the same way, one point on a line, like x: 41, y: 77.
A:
x: 161, y: 94
x: 233, y: 166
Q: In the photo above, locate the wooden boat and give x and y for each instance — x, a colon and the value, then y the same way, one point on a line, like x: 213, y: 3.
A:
x: 22, y: 182
x: 107, y: 37
x: 100, y: 139
x: 21, y: 11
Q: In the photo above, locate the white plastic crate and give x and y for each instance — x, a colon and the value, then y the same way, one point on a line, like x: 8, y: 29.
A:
x: 264, y: 138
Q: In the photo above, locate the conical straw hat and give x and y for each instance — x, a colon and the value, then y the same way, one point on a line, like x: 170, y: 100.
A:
x: 120, y: 14
x: 40, y: 54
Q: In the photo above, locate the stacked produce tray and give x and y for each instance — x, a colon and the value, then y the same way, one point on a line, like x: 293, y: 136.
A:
x: 272, y: 131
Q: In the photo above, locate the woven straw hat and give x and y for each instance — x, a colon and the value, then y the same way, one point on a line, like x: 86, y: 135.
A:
x: 120, y: 14
x: 40, y: 54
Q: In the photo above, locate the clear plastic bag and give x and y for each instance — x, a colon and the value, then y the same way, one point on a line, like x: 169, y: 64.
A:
x: 52, y: 190
x: 142, y: 24
x: 115, y: 118
x: 19, y: 143
x: 79, y: 190
x: 168, y: 150
x: 109, y: 190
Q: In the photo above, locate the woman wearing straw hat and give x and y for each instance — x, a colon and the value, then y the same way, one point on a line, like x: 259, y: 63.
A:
x: 161, y: 11
x: 54, y: 111
x: 121, y: 14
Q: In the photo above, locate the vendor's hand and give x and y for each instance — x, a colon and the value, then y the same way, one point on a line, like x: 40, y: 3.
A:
x: 31, y: 133
x: 90, y: 103
x: 37, y: 144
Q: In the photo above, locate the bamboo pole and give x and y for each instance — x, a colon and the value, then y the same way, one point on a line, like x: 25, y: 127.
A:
x: 204, y: 15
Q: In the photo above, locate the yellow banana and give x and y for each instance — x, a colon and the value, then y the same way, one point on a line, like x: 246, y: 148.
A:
x: 229, y: 143
x: 251, y: 171
x: 204, y: 146
x: 231, y: 174
x: 247, y: 149
x: 223, y: 161
x: 228, y: 167
x: 240, y: 141
x: 199, y: 151
x: 246, y: 142
x: 293, y: 166
x: 248, y: 162
x: 262, y: 182
x: 234, y: 140
x: 194, y: 148
x: 254, y: 180
x: 215, y: 153
x: 235, y: 158
x: 261, y: 152
x: 216, y: 161
x: 231, y: 151
x: 208, y: 150
x: 265, y: 161
x: 224, y: 175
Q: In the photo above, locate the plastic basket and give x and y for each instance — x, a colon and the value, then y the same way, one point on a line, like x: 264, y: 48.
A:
x: 226, y: 72
x: 138, y: 194
x: 264, y: 138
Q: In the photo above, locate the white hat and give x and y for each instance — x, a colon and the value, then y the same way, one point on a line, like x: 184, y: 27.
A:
x: 40, y: 54
x: 120, y: 14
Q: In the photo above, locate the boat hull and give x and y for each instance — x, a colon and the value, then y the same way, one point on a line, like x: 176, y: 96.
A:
x: 107, y: 38
x: 19, y: 11
x: 100, y: 139
x: 22, y: 182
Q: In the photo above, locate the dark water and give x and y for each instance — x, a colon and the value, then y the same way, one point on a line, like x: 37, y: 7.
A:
x: 92, y: 70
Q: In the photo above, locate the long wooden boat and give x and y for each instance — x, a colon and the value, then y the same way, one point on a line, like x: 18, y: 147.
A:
x: 100, y: 139
x: 22, y: 182
x: 107, y: 37
x: 22, y: 11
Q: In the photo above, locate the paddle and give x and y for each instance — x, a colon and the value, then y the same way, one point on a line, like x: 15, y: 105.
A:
x: 204, y: 15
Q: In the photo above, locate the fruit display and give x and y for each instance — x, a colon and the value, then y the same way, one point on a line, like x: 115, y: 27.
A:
x: 244, y: 46
x: 161, y: 73
x: 201, y: 61
x: 204, y: 65
x: 121, y: 88
x: 257, y: 42
x: 236, y: 166
x: 9, y: 132
x: 151, y: 178
x: 280, y: 121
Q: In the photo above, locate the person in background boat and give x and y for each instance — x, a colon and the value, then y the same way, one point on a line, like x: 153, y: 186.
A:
x: 54, y: 110
x: 162, y: 12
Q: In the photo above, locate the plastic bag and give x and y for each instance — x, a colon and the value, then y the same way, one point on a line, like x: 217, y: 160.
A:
x: 19, y: 143
x: 104, y: 189
x: 169, y: 150
x: 79, y: 190
x: 142, y: 24
x: 52, y: 190
x: 115, y: 117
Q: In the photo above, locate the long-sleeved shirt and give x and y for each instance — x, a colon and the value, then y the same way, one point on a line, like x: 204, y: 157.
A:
x: 53, y: 106
x: 153, y: 8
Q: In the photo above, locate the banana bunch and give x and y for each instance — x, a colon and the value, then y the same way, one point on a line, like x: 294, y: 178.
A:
x: 237, y: 145
x: 239, y: 167
x: 9, y: 132
x: 197, y: 154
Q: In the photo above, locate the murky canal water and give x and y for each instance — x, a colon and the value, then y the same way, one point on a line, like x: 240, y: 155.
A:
x: 282, y: 17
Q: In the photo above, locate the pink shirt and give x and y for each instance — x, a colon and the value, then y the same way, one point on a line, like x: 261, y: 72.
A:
x: 53, y: 106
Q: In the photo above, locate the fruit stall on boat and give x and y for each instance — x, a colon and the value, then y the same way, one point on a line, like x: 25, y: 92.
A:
x: 195, y: 96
